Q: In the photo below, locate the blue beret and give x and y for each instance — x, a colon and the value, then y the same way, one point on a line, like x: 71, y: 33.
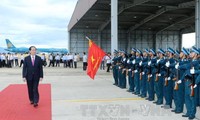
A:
x: 177, y: 52
x: 185, y: 51
x: 123, y: 51
x: 146, y: 50
x: 139, y: 51
x: 115, y: 51
x: 153, y: 51
x: 161, y: 51
x: 133, y: 49
x: 194, y: 49
x: 171, y: 50
x: 119, y: 50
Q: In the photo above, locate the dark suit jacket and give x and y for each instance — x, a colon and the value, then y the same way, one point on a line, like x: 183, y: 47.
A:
x: 30, y: 71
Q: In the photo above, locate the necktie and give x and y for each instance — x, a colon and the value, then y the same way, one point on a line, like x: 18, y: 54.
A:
x: 33, y: 61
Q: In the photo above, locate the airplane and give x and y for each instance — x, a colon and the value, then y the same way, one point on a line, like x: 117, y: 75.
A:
x: 12, y: 48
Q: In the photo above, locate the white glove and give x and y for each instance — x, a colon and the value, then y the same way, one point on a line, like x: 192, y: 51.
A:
x: 167, y: 64
x: 169, y: 78
x: 119, y: 67
x: 150, y: 75
x: 124, y: 59
x: 133, y: 62
x: 158, y: 60
x: 179, y: 82
x: 140, y: 63
x: 142, y: 73
x: 128, y: 61
x: 135, y: 71
x: 149, y: 63
x: 159, y: 74
x: 192, y: 71
x: 195, y: 85
x: 176, y: 66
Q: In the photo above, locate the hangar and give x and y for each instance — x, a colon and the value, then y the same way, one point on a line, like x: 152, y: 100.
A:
x: 123, y: 24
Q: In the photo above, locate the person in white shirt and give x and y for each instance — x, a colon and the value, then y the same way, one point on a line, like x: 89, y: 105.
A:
x: 64, y: 59
x: 51, y: 62
x: 57, y: 60
x: 71, y: 57
x: 75, y: 60
x: 108, y: 61
x: 44, y: 62
x: 84, y: 61
x: 16, y: 59
x: 102, y: 66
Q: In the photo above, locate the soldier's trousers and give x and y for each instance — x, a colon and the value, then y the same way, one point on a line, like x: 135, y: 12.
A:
x: 168, y: 93
x: 131, y: 81
x: 190, y: 101
x: 119, y: 77
x: 115, y: 74
x: 178, y: 96
x: 137, y: 82
x: 143, y: 86
x: 150, y: 88
x: 123, y: 79
x: 159, y: 90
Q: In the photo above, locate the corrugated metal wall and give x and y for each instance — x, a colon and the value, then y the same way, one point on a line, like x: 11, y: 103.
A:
x: 140, y: 39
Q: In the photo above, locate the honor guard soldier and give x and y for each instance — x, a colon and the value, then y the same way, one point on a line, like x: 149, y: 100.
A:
x: 143, y: 73
x: 160, y: 77
x: 130, y: 70
x: 169, y: 76
x: 136, y: 71
x: 190, y: 77
x: 151, y: 74
x: 115, y: 67
x: 122, y: 70
x: 178, y: 93
x: 119, y: 62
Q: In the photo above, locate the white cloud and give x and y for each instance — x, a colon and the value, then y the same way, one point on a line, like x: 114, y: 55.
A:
x: 40, y: 22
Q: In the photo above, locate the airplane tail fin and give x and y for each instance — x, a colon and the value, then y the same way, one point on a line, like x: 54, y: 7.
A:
x: 9, y: 44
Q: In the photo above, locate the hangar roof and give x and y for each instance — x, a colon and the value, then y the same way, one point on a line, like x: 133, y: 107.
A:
x: 156, y: 15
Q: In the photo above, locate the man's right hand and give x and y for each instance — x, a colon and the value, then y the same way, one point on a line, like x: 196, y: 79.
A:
x: 24, y: 79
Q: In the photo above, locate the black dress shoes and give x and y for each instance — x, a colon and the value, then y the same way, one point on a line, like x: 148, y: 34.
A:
x: 191, y: 118
x: 177, y: 112
x: 35, y: 105
x: 185, y: 116
x: 31, y: 102
x: 173, y: 110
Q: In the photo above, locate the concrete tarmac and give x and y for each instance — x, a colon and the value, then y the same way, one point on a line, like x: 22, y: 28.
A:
x: 77, y: 97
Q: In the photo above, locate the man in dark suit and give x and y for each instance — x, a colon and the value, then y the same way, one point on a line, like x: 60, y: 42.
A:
x: 32, y: 74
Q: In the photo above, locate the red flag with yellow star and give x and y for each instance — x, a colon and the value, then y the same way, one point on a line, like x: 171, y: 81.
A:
x: 95, y: 56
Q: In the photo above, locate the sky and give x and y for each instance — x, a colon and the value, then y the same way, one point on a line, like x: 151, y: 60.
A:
x: 42, y: 23
x: 188, y: 40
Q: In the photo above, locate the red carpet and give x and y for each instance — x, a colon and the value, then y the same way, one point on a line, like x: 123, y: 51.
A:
x: 14, y: 103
